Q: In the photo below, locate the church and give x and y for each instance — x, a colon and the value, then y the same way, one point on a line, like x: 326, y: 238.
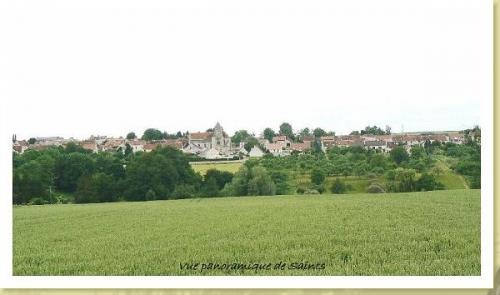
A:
x: 212, y: 144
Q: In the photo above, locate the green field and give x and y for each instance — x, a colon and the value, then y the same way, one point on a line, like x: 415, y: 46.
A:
x: 431, y: 233
x: 223, y: 166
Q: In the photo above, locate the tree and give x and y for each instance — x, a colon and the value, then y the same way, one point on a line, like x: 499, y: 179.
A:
x: 287, y: 130
x: 404, y: 180
x: 260, y: 183
x: 214, y: 181
x: 99, y: 187
x: 304, y: 132
x: 428, y: 182
x: 250, y: 143
x: 318, y: 132
x: 399, y: 154
x: 32, y: 140
x: 281, y: 180
x: 373, y: 130
x: 317, y: 176
x: 131, y: 135
x: 69, y: 168
x: 338, y: 186
x: 128, y: 150
x: 72, y: 147
x: 210, y: 188
x: 388, y: 129
x: 239, y: 136
x: 253, y: 181
x: 152, y: 134
x: 29, y: 182
x: 161, y: 171
x: 269, y: 134
x: 417, y: 152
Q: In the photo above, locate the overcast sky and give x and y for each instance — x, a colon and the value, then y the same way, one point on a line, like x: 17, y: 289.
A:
x: 76, y: 68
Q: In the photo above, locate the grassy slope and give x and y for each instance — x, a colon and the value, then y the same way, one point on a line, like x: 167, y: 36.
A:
x: 433, y: 233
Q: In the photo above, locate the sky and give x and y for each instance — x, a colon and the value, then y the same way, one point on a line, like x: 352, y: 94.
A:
x: 81, y: 68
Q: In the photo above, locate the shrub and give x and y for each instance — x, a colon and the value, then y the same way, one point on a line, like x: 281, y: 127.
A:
x: 317, y: 176
x: 428, y: 182
x: 150, y: 195
x: 311, y: 191
x: 375, y: 188
x: 338, y: 187
x: 183, y: 191
x: 38, y: 201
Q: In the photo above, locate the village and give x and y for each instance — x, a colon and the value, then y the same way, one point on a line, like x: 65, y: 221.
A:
x: 216, y: 144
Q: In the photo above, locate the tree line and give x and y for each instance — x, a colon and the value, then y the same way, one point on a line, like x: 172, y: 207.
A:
x: 73, y: 174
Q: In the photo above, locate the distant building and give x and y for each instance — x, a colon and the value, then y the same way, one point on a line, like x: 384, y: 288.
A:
x: 201, y: 142
x: 256, y: 152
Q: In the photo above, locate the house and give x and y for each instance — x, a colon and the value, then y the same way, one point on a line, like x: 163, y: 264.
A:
x: 327, y: 142
x: 377, y: 145
x: 256, y: 152
x: 211, y: 154
x: 276, y: 149
x: 137, y: 145
x: 300, y: 146
x: 113, y: 145
x: 89, y: 145
x: 282, y: 140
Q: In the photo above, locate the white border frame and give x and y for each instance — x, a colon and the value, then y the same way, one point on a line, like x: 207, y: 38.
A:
x: 483, y: 281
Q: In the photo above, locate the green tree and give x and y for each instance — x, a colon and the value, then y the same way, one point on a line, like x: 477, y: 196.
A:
x: 161, y: 171
x: 318, y: 132
x: 29, y: 183
x: 260, y: 183
x: 250, y: 143
x: 428, y: 182
x: 128, y: 150
x: 281, y: 180
x: 131, y: 135
x: 269, y: 134
x: 99, y: 187
x: 399, y: 154
x: 317, y: 176
x: 404, y: 180
x: 32, y: 140
x: 69, y: 168
x: 239, y: 136
x: 287, y: 130
x: 338, y: 186
x: 152, y: 134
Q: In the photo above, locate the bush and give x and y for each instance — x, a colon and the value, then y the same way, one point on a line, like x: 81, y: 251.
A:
x: 184, y: 191
x: 317, y: 176
x: 428, y: 182
x: 399, y: 155
x: 338, y: 187
x: 300, y: 190
x: 375, y: 188
x: 150, y: 195
x: 311, y: 191
x: 38, y: 201
x: 319, y: 188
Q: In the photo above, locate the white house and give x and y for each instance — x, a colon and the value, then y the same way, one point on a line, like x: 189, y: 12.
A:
x: 256, y: 152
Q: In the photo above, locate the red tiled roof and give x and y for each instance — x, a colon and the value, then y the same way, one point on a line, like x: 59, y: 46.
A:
x: 201, y: 135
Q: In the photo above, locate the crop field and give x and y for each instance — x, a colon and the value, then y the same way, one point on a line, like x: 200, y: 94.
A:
x: 231, y: 166
x: 428, y: 233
